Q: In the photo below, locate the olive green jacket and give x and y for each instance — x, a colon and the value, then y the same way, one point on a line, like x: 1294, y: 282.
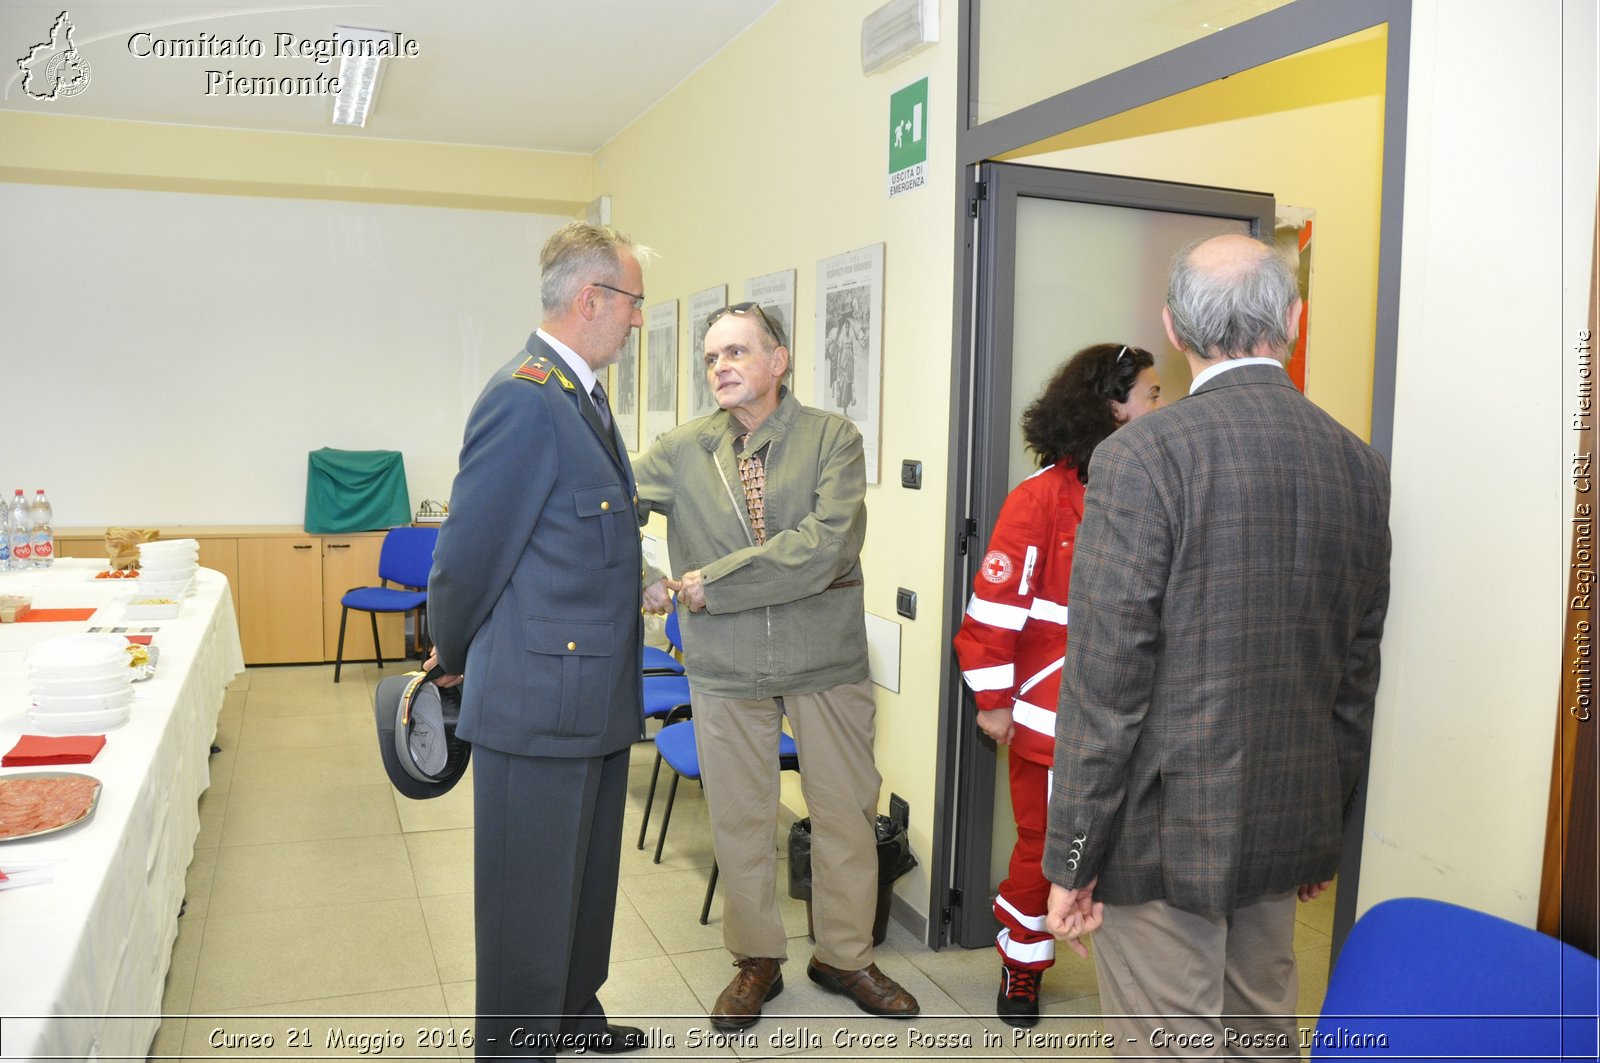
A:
x: 785, y: 617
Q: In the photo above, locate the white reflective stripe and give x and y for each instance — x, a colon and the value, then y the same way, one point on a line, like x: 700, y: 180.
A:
x: 1044, y: 609
x: 1032, y: 922
x: 1034, y: 718
x: 1041, y: 675
x: 1027, y: 570
x: 1010, y: 617
x: 996, y: 677
x: 1049, y: 787
x: 1036, y: 952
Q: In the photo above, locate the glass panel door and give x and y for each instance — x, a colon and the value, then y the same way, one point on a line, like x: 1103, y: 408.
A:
x: 1065, y: 260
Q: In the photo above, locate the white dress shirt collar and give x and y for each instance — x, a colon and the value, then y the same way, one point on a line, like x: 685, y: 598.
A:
x: 1226, y: 364
x: 579, y: 367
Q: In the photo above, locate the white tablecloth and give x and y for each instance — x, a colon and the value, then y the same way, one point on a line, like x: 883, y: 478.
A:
x: 83, y: 958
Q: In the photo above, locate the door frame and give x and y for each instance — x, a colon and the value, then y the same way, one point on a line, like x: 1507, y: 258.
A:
x: 986, y: 466
x: 1274, y: 35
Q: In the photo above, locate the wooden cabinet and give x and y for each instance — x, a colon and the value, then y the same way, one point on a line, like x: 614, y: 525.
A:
x: 286, y: 587
x: 280, y: 599
x: 221, y: 553
x: 352, y: 561
x: 81, y: 547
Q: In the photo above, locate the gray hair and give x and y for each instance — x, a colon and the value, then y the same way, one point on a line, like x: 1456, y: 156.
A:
x: 577, y: 254
x: 1225, y: 313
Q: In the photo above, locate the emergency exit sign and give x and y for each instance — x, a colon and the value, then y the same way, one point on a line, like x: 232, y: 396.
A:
x: 908, y: 138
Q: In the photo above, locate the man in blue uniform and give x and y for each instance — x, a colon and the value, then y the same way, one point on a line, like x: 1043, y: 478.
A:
x: 535, y: 596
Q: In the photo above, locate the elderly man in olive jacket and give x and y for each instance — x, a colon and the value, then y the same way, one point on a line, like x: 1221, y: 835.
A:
x: 765, y: 521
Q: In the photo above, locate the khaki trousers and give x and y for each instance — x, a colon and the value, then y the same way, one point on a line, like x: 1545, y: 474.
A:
x: 1176, y: 983
x: 737, y: 742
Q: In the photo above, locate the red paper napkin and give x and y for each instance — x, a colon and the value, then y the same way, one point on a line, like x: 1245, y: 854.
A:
x: 53, y: 616
x: 36, y: 750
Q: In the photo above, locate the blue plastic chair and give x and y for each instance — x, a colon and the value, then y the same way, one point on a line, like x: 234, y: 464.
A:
x: 1423, y: 979
x: 666, y: 698
x: 660, y: 662
x: 675, y: 745
x: 406, y: 559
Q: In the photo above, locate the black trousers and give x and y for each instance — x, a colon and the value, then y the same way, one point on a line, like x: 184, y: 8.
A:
x: 547, y: 845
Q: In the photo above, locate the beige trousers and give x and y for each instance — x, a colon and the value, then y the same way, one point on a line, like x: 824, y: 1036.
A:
x: 1176, y: 983
x: 737, y: 742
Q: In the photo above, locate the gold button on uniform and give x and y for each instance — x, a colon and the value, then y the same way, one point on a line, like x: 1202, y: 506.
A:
x: 605, y: 505
x: 572, y: 645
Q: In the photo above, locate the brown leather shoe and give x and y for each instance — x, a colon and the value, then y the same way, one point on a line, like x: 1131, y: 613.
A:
x: 873, y: 991
x: 760, y: 978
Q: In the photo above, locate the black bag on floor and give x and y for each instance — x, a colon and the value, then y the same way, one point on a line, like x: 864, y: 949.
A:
x: 417, y: 733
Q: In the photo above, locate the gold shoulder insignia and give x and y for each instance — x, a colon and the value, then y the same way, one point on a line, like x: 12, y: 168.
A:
x: 563, y: 378
x: 535, y: 369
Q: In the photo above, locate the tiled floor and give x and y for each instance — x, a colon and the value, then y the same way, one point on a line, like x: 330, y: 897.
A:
x: 318, y: 895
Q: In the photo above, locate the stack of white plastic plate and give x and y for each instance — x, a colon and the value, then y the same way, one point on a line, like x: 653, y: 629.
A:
x: 81, y: 684
x: 167, y: 567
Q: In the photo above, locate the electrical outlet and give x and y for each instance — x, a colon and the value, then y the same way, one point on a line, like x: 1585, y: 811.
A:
x: 905, y: 603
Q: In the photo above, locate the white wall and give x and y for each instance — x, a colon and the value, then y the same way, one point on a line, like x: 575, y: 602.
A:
x: 172, y: 357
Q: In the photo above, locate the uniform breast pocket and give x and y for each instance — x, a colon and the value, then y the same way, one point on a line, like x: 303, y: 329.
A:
x: 605, y: 513
x: 570, y: 663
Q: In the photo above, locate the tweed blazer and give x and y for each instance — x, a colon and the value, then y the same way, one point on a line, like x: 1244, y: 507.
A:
x: 534, y: 593
x: 1230, y: 581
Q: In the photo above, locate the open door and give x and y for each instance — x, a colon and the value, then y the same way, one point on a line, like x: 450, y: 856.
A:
x: 1060, y: 259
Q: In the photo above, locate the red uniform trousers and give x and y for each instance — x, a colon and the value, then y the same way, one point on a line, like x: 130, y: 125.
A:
x: 1025, y: 894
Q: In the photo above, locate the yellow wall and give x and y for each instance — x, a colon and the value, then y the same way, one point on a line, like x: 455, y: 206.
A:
x: 51, y: 149
x: 1267, y: 130
x: 1467, y: 708
x: 775, y: 155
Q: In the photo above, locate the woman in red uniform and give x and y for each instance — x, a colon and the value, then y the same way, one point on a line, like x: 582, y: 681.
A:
x: 1014, y: 637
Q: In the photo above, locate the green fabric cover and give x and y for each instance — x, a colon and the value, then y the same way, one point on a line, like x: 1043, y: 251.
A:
x: 355, y: 490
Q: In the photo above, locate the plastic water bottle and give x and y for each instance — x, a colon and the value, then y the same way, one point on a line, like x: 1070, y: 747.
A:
x: 19, y: 525
x: 42, y: 537
x: 5, y: 537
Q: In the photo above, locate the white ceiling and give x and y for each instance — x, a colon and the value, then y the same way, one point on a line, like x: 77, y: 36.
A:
x: 556, y: 75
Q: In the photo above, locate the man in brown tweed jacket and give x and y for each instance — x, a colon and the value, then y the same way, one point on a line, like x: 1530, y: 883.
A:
x: 1230, y: 581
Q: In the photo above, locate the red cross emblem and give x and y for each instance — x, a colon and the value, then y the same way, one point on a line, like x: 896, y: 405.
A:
x: 996, y: 566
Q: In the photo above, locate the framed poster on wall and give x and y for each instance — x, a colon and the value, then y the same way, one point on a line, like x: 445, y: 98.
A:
x: 661, y: 370
x: 702, y: 305
x: 1292, y: 234
x: 775, y: 293
x: 848, y: 373
x: 624, y: 389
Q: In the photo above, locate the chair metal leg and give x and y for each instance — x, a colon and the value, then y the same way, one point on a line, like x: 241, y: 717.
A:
x: 377, y: 650
x: 338, y: 654
x: 711, y: 887
x: 422, y: 644
x: 666, y: 816
x: 649, y: 800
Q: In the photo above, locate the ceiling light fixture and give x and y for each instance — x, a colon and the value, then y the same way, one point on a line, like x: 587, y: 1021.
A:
x: 896, y: 30
x: 362, y: 54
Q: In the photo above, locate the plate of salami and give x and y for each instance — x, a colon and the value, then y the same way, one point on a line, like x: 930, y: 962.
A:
x: 42, y: 802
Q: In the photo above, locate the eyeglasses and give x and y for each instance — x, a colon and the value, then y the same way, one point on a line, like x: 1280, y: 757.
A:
x: 638, y: 300
x: 748, y: 308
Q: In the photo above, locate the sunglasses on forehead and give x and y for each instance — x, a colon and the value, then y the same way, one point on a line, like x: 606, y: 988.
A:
x: 742, y: 309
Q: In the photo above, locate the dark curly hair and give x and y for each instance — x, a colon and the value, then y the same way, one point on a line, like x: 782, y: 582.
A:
x: 1073, y: 413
